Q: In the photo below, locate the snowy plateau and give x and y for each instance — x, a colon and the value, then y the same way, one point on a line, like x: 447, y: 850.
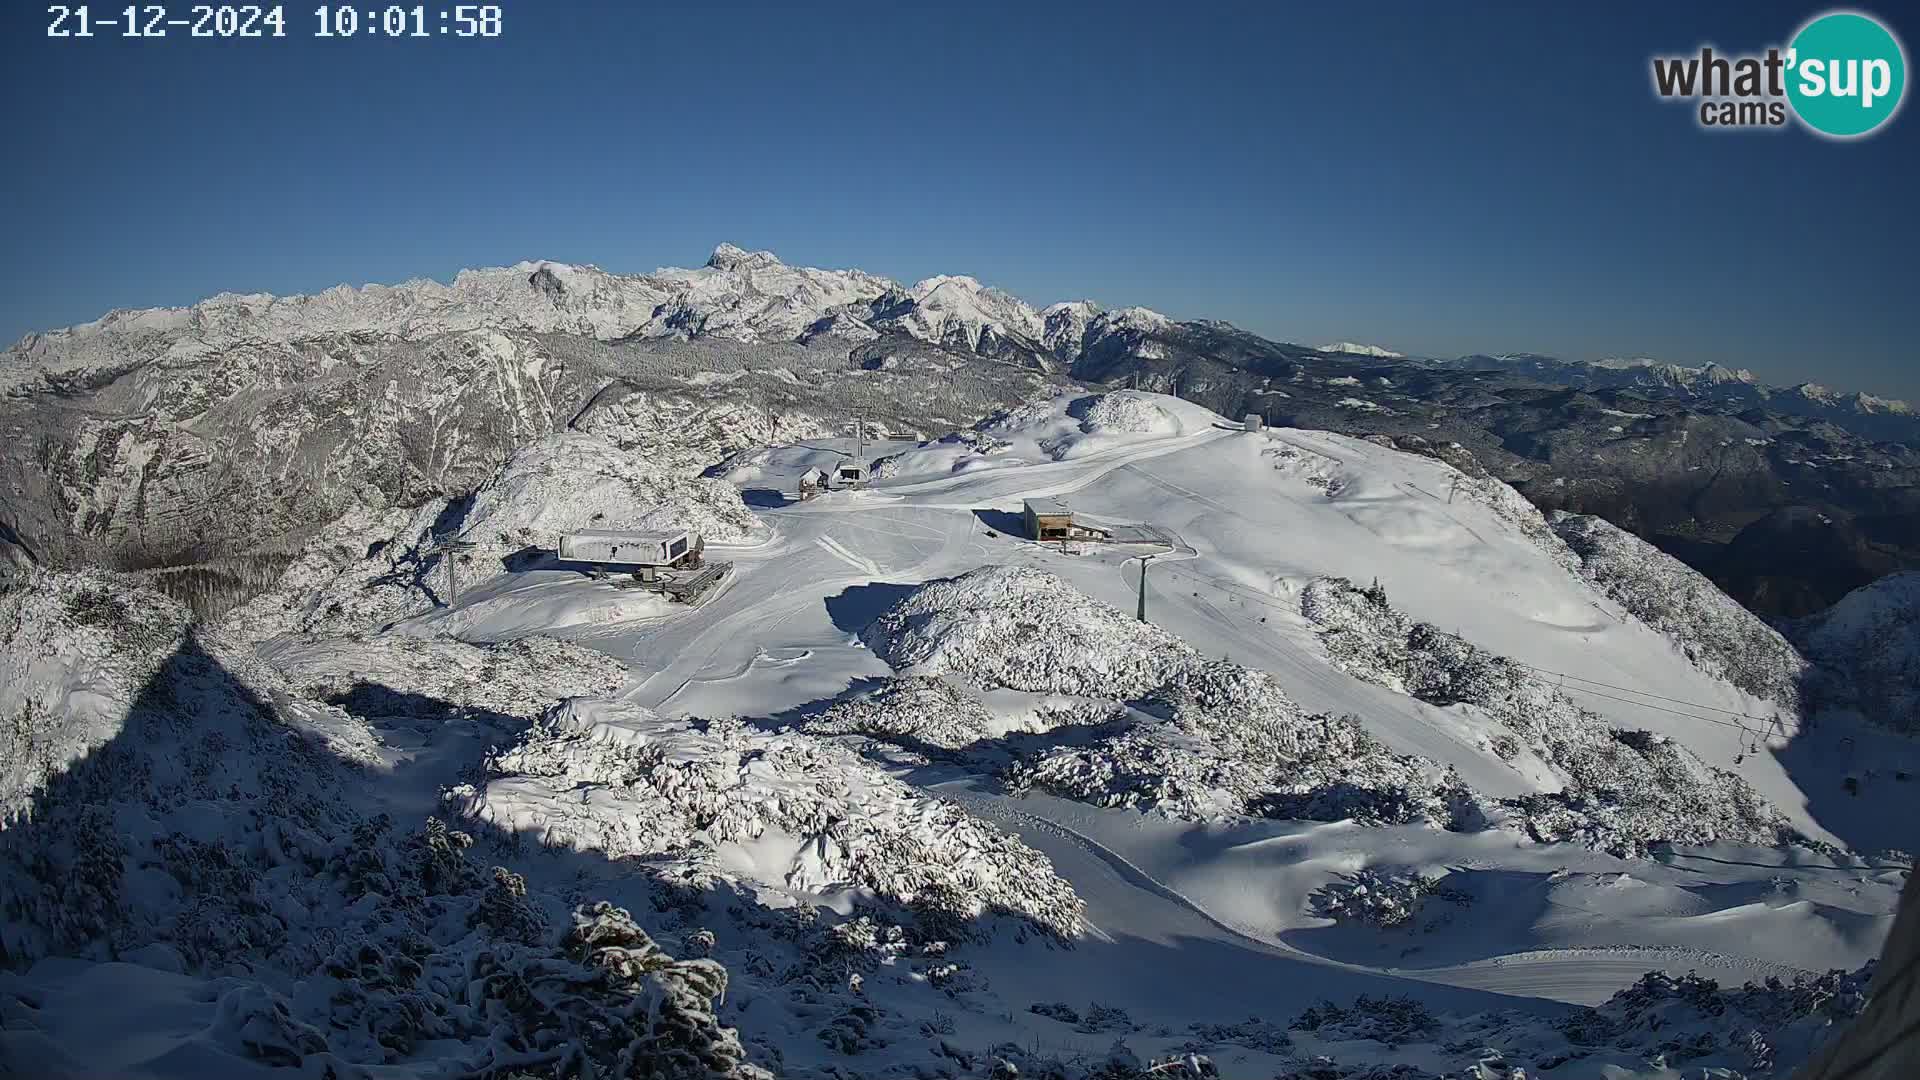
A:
x: 1397, y: 778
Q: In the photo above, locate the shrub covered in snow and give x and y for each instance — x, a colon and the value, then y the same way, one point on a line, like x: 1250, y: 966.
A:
x: 432, y: 949
x: 374, y: 675
x: 136, y: 742
x: 1123, y: 411
x: 1715, y: 632
x: 1373, y: 898
x: 1390, y: 1020
x: 1011, y: 1062
x: 1313, y: 469
x: 1206, y: 739
x: 782, y: 810
x: 1252, y: 1033
x: 1025, y: 629
x: 617, y: 1004
x: 921, y: 711
x: 1324, y: 1067
x: 1624, y: 790
x: 1275, y: 762
x: 371, y: 566
x: 191, y: 811
x: 1691, y: 1020
x: 1634, y: 788
x: 1659, y: 1024
x: 91, y: 632
x: 1514, y: 508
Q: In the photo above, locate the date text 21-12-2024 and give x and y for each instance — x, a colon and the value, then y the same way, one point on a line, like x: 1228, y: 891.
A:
x: 256, y: 21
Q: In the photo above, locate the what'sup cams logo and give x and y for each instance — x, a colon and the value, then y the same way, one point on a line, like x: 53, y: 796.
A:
x: 1842, y: 76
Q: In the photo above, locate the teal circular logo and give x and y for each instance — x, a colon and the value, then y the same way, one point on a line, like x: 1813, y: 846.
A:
x: 1846, y: 74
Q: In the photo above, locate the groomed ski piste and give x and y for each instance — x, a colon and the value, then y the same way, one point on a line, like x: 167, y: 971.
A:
x: 1362, y: 748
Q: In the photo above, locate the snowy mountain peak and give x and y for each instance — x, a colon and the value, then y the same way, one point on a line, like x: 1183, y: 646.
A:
x: 1134, y: 318
x: 1064, y: 326
x: 1677, y: 374
x: 1352, y: 349
x: 1715, y: 373
x: 1869, y: 403
x: 1079, y: 309
x: 958, y: 311
x: 733, y: 257
x: 962, y: 283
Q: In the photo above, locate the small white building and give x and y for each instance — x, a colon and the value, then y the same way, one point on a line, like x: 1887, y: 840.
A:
x: 1254, y: 423
x: 849, y: 474
x: 645, y: 555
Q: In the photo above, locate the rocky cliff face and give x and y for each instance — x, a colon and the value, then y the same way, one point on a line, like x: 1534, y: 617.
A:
x: 177, y: 460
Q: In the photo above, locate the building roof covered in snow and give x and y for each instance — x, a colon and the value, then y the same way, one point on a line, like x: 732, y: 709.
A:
x: 1050, y: 506
x: 632, y: 536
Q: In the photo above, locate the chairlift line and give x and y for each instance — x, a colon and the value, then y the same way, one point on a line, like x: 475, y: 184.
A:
x: 1775, y: 720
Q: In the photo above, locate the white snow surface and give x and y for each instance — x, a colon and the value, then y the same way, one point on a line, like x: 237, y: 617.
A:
x: 911, y: 795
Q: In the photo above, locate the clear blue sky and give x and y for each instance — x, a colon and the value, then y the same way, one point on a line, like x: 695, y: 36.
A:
x: 1439, y: 178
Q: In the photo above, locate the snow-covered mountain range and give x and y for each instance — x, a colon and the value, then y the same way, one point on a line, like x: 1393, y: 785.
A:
x: 1863, y: 412
x: 1348, y: 348
x: 221, y: 435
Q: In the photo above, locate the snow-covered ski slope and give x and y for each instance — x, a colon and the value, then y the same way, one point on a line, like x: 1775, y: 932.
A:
x: 760, y: 785
x: 1254, y: 518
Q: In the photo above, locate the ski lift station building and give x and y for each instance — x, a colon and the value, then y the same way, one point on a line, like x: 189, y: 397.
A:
x: 1053, y: 519
x: 649, y: 552
x: 849, y: 474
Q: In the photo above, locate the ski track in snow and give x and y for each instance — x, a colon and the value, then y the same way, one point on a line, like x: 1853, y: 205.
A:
x: 833, y: 547
x: 1576, y: 976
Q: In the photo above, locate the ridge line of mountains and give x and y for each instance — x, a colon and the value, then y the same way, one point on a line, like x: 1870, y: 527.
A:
x: 948, y: 309
x: 238, y: 425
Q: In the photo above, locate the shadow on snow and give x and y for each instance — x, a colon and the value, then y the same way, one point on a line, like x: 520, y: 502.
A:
x: 200, y: 742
